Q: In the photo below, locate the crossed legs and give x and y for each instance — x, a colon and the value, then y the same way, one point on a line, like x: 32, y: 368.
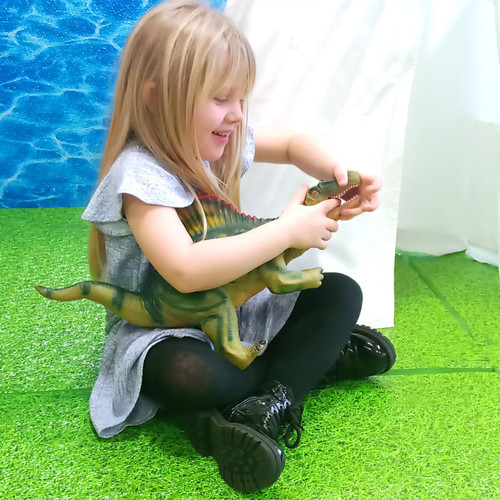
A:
x: 186, y: 374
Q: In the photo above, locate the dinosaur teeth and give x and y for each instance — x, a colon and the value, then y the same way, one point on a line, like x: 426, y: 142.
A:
x: 349, y: 194
x: 346, y: 196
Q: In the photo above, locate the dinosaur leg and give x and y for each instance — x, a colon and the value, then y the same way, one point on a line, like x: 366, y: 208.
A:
x: 222, y: 329
x: 279, y: 279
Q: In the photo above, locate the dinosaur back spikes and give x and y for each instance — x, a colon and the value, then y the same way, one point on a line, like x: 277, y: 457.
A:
x: 222, y: 218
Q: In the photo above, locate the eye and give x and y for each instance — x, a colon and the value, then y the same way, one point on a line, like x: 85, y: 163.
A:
x: 220, y: 99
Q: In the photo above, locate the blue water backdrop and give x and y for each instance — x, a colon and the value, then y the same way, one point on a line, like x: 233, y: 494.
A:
x: 58, y: 62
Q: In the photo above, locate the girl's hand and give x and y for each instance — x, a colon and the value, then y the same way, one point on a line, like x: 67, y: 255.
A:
x: 368, y: 199
x: 308, y: 226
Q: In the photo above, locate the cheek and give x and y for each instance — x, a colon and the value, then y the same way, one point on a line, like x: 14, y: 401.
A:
x: 201, y: 129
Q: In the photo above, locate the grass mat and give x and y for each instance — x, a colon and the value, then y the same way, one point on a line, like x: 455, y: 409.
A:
x: 45, y: 347
x: 427, y: 429
x: 447, y: 312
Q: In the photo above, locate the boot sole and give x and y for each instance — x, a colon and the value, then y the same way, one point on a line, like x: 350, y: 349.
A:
x: 377, y: 336
x: 248, y: 460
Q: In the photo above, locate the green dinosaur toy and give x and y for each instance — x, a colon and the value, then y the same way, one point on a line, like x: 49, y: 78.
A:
x: 161, y: 305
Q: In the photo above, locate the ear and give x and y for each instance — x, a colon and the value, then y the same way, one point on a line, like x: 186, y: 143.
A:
x: 148, y: 94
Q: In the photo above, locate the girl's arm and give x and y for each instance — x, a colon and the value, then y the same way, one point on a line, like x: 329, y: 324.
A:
x: 315, y: 158
x: 191, y: 267
x: 305, y: 151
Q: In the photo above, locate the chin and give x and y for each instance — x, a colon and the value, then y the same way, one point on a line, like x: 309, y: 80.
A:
x: 213, y: 157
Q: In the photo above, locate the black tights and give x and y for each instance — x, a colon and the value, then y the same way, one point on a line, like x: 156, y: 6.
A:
x: 184, y: 373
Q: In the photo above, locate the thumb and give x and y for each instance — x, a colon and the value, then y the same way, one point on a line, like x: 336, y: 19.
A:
x: 299, y: 197
x: 330, y: 204
x: 332, y: 210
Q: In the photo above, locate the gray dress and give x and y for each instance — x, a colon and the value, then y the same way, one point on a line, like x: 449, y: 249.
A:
x: 116, y: 401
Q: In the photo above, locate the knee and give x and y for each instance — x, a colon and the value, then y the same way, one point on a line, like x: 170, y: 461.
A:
x: 343, y: 286
x: 175, y: 368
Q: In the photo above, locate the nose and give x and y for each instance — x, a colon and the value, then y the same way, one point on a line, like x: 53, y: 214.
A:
x: 235, y: 114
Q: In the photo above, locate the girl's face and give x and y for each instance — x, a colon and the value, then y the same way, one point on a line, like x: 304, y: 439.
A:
x: 214, y: 121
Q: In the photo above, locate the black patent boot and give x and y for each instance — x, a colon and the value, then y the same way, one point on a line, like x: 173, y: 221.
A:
x: 244, y: 438
x: 248, y: 459
x: 366, y: 354
x: 272, y: 413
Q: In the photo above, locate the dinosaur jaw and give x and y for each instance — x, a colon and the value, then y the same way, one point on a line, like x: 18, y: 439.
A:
x: 348, y: 195
x: 331, y: 190
x: 351, y: 194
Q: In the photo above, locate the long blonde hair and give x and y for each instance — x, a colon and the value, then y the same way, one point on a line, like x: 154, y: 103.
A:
x: 190, y: 53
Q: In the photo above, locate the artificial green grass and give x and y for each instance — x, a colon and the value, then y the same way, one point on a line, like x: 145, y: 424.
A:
x: 427, y: 429
x: 45, y: 347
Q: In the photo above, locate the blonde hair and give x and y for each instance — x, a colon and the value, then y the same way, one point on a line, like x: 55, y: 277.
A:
x: 190, y: 53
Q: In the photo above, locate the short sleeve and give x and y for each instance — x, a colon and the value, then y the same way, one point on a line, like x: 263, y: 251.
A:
x: 138, y: 173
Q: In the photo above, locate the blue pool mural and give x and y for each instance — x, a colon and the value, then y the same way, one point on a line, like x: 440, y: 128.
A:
x: 58, y: 61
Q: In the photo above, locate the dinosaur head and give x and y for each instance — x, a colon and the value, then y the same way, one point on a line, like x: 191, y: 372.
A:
x: 330, y: 189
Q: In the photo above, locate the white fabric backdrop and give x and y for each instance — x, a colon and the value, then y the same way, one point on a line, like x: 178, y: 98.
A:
x: 344, y: 69
x: 450, y: 193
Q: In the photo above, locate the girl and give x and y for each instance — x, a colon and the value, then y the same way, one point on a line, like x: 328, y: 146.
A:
x: 179, y: 127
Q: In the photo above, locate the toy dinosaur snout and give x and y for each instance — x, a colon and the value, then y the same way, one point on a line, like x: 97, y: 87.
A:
x: 330, y: 189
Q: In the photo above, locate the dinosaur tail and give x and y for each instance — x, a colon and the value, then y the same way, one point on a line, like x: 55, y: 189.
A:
x: 124, y: 303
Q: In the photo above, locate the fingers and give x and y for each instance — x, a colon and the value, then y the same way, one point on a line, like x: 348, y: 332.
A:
x: 372, y: 183
x: 370, y: 186
x: 368, y: 199
x: 309, y: 226
x: 350, y: 213
x: 328, y: 205
x: 371, y: 204
x: 299, y: 197
x: 332, y: 226
x: 327, y: 235
x: 340, y: 174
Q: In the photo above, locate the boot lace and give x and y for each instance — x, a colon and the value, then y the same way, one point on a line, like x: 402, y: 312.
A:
x: 284, y: 416
x: 293, y: 421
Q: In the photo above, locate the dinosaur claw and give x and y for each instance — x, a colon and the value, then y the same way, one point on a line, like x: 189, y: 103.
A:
x: 259, y: 346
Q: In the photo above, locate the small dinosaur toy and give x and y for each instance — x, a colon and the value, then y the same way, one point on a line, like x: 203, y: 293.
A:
x: 161, y: 305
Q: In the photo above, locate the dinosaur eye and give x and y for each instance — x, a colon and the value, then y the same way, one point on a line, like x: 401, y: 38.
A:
x: 314, y: 193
